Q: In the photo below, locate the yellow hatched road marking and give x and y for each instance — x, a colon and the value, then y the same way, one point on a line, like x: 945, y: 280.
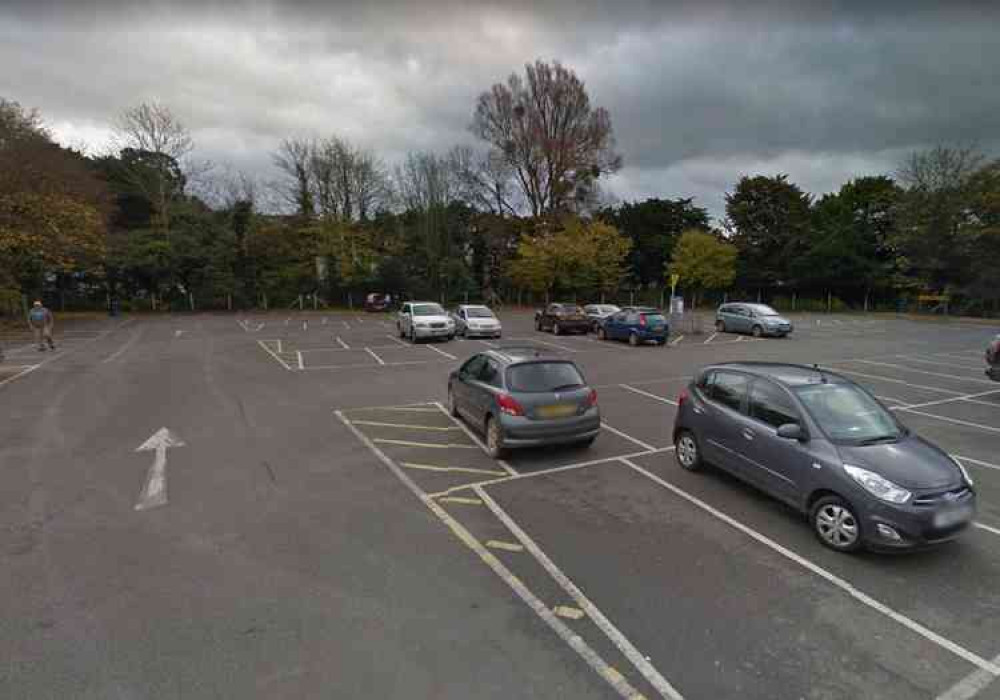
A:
x: 567, y: 611
x: 403, y: 425
x: 460, y: 500
x: 467, y: 470
x: 408, y: 443
x: 509, y: 547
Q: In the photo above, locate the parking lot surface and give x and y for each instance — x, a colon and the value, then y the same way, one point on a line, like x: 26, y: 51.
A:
x: 280, y: 505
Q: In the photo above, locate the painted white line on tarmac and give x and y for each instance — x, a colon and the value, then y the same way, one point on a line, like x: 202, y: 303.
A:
x: 894, y: 381
x: 947, y: 419
x: 676, y: 340
x: 397, y: 340
x: 377, y: 358
x: 974, y: 380
x: 441, y: 352
x: 710, y: 339
x: 573, y: 640
x: 977, y: 462
x: 475, y: 438
x: 971, y: 398
x: 840, y: 583
x: 298, y: 356
x: 274, y: 354
x: 619, y: 433
x: 971, y: 685
x: 635, y: 657
x: 124, y: 348
x: 994, y: 530
x: 438, y: 468
x: 371, y: 366
x: 939, y: 362
x: 551, y: 345
x: 343, y: 344
x: 647, y: 394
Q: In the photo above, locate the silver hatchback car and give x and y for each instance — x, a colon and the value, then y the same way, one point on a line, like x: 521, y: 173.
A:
x: 520, y: 397
x: 756, y: 319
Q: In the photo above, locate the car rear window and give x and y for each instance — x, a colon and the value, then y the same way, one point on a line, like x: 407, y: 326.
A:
x: 655, y: 318
x: 728, y: 388
x: 540, y: 377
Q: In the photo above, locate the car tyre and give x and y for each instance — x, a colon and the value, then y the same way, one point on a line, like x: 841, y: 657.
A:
x: 399, y: 329
x: 413, y: 336
x: 452, y: 406
x: 687, y: 451
x: 586, y: 444
x: 538, y: 325
x: 720, y: 326
x: 602, y: 334
x: 556, y: 330
x: 494, y: 439
x: 633, y: 340
x: 757, y: 331
x: 836, y: 524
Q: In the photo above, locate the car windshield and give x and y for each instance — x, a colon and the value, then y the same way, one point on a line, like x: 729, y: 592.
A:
x: 609, y: 309
x: 763, y: 310
x: 849, y: 415
x: 427, y: 310
x: 478, y: 312
x: 540, y: 377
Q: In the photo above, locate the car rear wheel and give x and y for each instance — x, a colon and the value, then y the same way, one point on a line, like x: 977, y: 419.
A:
x: 556, y: 330
x: 687, y: 452
x: 602, y: 334
x: 720, y: 326
x: 538, y: 325
x: 494, y: 439
x: 836, y: 524
x: 633, y: 340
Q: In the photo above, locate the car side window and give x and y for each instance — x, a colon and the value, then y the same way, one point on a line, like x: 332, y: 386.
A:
x: 405, y: 310
x: 490, y: 374
x: 632, y: 318
x: 769, y: 404
x: 729, y: 389
x: 472, y: 368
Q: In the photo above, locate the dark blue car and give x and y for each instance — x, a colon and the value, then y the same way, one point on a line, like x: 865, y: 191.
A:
x: 637, y: 325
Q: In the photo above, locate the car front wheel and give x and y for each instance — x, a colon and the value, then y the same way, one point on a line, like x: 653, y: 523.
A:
x: 633, y: 340
x: 757, y: 331
x: 602, y: 334
x: 836, y: 524
x: 556, y: 330
x: 687, y: 452
x: 720, y: 326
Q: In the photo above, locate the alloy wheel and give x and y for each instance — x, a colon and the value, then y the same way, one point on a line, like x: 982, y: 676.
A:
x: 837, y: 525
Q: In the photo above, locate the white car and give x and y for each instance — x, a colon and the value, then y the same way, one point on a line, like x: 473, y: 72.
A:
x: 476, y: 320
x: 423, y: 320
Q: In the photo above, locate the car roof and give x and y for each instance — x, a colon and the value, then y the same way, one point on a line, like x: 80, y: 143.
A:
x: 474, y: 306
x: 513, y: 354
x: 785, y: 373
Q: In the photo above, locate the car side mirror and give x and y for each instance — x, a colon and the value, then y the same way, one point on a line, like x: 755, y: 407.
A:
x: 791, y: 431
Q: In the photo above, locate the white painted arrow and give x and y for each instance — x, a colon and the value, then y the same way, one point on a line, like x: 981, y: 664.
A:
x: 154, y: 492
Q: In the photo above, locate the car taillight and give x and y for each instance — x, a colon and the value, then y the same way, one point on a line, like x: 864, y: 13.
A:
x: 642, y: 321
x: 509, y: 406
x: 592, y: 398
x: 682, y: 398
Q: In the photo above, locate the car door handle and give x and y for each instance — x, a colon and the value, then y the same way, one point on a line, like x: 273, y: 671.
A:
x: 748, y: 434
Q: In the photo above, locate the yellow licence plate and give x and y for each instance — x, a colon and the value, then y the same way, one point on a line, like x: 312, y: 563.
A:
x: 556, y: 411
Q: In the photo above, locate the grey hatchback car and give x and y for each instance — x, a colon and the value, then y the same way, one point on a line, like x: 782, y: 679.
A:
x: 827, y: 447
x: 521, y: 397
x: 756, y: 319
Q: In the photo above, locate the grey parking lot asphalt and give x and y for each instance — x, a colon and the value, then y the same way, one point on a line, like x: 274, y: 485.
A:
x: 305, y: 520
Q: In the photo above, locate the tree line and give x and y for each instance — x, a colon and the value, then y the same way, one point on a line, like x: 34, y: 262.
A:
x: 520, y: 217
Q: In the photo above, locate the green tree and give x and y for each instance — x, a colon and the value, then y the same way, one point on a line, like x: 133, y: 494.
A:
x: 703, y: 262
x: 768, y: 219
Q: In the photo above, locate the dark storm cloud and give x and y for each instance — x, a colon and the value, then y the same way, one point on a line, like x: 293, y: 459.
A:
x: 699, y: 92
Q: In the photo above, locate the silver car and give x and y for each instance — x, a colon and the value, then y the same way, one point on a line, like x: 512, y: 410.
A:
x: 598, y: 312
x: 519, y: 397
x: 424, y: 320
x: 472, y: 320
x: 756, y: 319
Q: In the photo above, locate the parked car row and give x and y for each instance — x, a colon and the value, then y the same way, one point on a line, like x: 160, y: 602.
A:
x: 427, y: 320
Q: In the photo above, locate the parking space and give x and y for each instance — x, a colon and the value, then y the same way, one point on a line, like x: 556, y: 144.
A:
x: 673, y: 584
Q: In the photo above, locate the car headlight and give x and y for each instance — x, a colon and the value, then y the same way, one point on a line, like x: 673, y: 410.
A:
x: 965, y: 472
x: 881, y: 488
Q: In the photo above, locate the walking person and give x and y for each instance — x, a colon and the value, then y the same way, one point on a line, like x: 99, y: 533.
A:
x: 40, y: 320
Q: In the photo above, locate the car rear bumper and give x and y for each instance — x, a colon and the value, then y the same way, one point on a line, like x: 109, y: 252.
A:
x: 527, y: 432
x: 574, y: 325
x: 993, y: 372
x: 916, y: 527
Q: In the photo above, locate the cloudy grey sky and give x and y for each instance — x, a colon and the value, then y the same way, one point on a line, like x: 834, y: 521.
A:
x: 699, y: 93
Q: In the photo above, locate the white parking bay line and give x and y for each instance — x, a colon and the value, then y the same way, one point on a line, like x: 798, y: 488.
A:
x: 974, y: 380
x: 274, y: 354
x: 940, y: 362
x: 646, y: 393
x: 970, y: 398
x: 343, y: 344
x: 947, y: 419
x: 990, y: 666
x: 977, y: 462
x: 377, y: 358
x: 619, y: 433
x: 397, y: 340
x: 710, y: 339
x: 896, y: 381
x: 441, y: 352
x: 971, y: 685
x: 677, y: 340
x: 626, y: 647
x: 298, y: 356
x: 472, y: 436
x: 572, y: 639
x: 994, y: 530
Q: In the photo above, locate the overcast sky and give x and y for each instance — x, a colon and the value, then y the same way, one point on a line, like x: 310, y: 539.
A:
x: 699, y: 94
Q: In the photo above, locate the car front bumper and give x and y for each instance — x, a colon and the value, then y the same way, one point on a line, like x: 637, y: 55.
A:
x: 483, y: 332
x: 915, y: 525
x: 520, y: 431
x: 433, y: 332
x: 778, y: 330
